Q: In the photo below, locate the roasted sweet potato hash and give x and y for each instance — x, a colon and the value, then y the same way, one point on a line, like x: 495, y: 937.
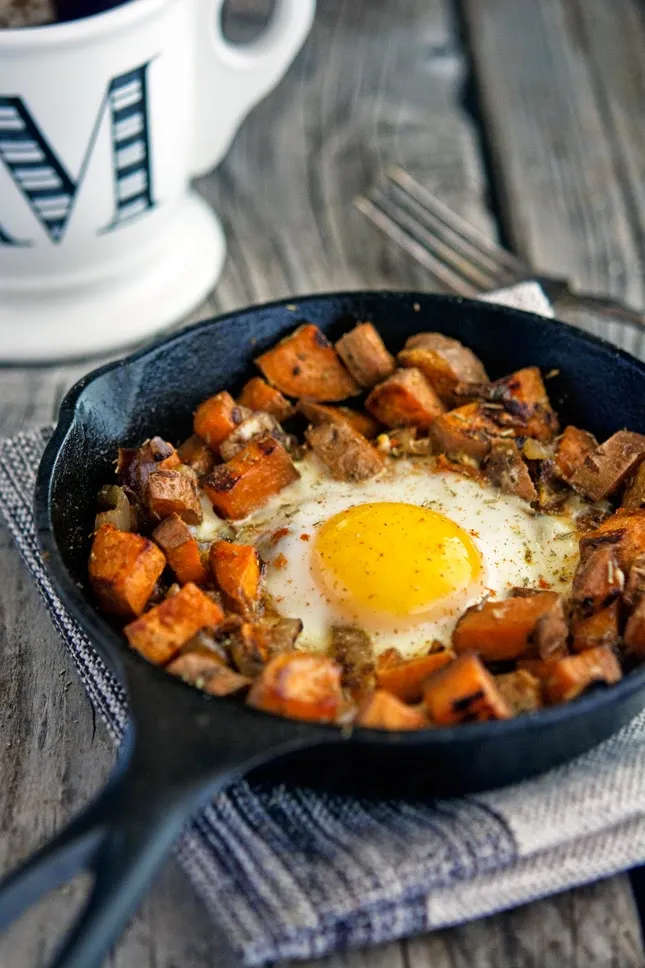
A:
x: 187, y: 539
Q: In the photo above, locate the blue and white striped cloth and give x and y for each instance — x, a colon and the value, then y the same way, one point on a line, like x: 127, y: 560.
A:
x: 293, y: 874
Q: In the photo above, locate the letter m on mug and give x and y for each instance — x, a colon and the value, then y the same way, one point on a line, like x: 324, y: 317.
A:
x: 41, y: 177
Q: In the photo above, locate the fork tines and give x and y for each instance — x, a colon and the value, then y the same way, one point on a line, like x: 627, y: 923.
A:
x: 455, y: 252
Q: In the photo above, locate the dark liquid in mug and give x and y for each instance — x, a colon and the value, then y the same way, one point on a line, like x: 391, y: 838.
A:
x: 36, y: 13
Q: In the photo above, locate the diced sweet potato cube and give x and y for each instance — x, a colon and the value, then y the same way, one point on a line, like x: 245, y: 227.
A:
x: 218, y: 417
x: 521, y: 690
x: 196, y: 453
x: 299, y: 685
x: 207, y: 672
x: 320, y: 413
x: 444, y: 361
x: 467, y: 431
x: 598, y: 581
x: 134, y: 466
x: 501, y: 630
x: 571, y: 676
x: 364, y: 354
x: 123, y: 570
x: 406, y: 679
x: 258, y: 395
x: 173, y: 492
x: 237, y: 571
x: 572, y: 446
x: 635, y: 631
x: 181, y: 549
x: 506, y: 469
x: 463, y: 692
x: 526, y: 403
x: 382, y: 710
x: 347, y: 454
x: 352, y: 648
x: 635, y: 585
x: 250, y: 479
x: 160, y: 633
x: 405, y: 399
x: 541, y: 668
x: 305, y: 364
x: 605, y: 468
x: 624, y: 531
x: 634, y: 494
x: 600, y: 628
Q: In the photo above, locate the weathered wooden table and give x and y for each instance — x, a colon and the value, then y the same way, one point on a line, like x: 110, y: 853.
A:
x: 526, y: 116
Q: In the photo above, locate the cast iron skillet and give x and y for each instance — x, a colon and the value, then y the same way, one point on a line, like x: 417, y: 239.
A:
x: 183, y: 746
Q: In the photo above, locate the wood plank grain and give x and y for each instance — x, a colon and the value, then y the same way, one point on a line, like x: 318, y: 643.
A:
x: 613, y: 36
x: 555, y: 158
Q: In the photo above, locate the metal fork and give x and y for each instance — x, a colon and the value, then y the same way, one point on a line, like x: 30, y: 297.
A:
x: 460, y: 256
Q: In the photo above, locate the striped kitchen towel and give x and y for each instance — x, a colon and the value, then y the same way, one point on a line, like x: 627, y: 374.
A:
x: 295, y: 874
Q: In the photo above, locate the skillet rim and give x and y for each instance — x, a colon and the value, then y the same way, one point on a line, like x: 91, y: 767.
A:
x: 94, y: 625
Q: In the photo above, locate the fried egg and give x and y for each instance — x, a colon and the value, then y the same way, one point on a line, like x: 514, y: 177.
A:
x: 402, y: 555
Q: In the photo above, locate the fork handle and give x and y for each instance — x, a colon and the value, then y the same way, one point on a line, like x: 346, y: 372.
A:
x: 563, y: 297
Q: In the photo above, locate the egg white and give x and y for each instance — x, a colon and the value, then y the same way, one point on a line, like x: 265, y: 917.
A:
x: 518, y: 547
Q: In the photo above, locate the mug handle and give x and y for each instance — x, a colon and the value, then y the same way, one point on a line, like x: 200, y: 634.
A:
x: 231, y: 78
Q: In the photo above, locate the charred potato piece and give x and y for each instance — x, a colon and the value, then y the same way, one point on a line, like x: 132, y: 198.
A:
x: 624, y: 531
x: 464, y: 692
x: 364, y: 354
x: 405, y: 399
x: 605, y: 468
x: 123, y: 570
x: 250, y: 479
x: 598, y: 581
x: 160, y: 633
x: 406, y: 680
x: 502, y: 630
x: 468, y: 431
x: 305, y: 364
x: 300, y: 685
x: 634, y: 494
x: 182, y: 550
x: 599, y: 628
x: 572, y: 447
x: 205, y: 671
x: 216, y: 418
x: 569, y: 677
x: 258, y: 395
x: 382, y: 710
x: 237, y: 571
x: 445, y: 362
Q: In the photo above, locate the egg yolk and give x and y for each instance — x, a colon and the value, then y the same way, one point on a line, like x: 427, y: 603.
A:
x: 394, y: 560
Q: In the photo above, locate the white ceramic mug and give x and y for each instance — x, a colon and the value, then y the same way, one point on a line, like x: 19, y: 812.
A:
x: 103, y: 122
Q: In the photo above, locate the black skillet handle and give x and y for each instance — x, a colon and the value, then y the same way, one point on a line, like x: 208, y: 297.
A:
x: 172, y: 765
